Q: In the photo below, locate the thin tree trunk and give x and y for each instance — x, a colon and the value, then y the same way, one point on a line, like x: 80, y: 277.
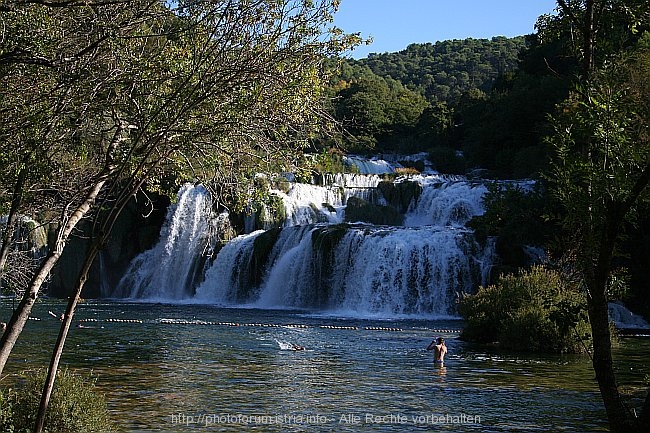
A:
x: 589, y: 35
x: 21, y: 314
x: 617, y: 414
x: 63, y: 333
x: 620, y: 418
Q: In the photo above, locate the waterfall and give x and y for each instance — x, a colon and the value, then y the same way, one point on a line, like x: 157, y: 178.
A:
x: 624, y: 318
x: 316, y: 261
x: 372, y: 166
x: 449, y: 203
x: 309, y: 204
x: 361, y: 269
x: 169, y: 269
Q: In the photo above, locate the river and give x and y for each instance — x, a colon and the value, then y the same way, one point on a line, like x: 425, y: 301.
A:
x: 183, y: 367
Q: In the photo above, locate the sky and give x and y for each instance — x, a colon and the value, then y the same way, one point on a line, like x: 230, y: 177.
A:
x: 394, y: 24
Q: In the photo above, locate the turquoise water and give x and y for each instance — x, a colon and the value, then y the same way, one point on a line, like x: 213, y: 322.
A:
x: 172, y: 371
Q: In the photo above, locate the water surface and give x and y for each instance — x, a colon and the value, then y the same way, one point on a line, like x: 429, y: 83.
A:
x: 177, y: 368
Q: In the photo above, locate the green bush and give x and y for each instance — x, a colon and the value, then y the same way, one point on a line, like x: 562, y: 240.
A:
x: 537, y: 311
x: 75, y: 406
x: 7, y: 403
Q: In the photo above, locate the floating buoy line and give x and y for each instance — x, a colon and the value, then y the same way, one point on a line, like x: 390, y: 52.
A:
x: 263, y: 325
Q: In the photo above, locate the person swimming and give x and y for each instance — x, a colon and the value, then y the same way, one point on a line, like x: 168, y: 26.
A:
x: 439, y: 350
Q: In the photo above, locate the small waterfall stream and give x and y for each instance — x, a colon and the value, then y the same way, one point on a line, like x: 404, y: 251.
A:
x: 320, y: 260
x: 172, y: 266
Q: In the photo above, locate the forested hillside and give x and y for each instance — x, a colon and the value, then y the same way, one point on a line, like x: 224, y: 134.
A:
x: 444, y: 71
x: 488, y: 99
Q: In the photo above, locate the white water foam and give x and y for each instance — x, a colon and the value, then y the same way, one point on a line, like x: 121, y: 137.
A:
x: 380, y: 272
x: 371, y: 166
x: 446, y: 204
x: 168, y: 269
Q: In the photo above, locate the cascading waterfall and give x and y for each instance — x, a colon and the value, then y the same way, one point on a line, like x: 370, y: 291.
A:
x: 625, y: 319
x: 370, y: 271
x: 169, y: 269
x: 372, y: 166
x: 317, y: 261
x: 448, y: 203
x: 309, y: 204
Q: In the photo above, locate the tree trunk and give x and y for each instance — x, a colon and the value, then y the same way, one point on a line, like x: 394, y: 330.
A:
x: 620, y: 418
x: 617, y: 414
x: 588, y: 27
x: 589, y: 35
x: 63, y: 333
x: 21, y: 315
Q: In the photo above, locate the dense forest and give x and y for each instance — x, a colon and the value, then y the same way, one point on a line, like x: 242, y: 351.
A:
x: 446, y: 70
x: 486, y: 98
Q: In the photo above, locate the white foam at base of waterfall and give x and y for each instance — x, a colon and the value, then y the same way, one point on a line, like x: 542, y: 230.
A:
x: 167, y: 270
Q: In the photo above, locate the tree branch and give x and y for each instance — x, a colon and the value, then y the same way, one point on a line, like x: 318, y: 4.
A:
x: 71, y: 3
x: 567, y: 10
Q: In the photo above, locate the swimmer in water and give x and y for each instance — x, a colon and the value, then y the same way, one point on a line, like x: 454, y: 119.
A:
x: 439, y: 350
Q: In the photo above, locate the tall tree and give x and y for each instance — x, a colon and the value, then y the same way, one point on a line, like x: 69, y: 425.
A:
x: 204, y: 89
x: 602, y: 165
x: 141, y: 89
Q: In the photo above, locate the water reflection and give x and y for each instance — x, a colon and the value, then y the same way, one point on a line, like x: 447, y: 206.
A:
x: 159, y: 369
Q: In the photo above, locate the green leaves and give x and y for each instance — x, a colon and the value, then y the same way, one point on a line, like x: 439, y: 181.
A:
x: 601, y: 150
x: 537, y: 310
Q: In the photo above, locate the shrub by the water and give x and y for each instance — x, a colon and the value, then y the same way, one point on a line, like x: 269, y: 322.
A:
x: 536, y: 310
x: 75, y: 405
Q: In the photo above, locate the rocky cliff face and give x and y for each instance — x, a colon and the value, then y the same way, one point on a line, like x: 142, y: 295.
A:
x: 133, y: 233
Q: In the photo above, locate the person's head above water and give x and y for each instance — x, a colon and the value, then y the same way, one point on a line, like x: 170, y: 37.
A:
x: 440, y: 340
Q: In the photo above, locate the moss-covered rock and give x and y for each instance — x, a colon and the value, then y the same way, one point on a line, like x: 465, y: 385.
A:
x: 359, y: 210
x: 282, y: 184
x: 270, y: 213
x: 324, y: 242
x: 400, y: 195
x: 327, y: 238
x: 262, y: 247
